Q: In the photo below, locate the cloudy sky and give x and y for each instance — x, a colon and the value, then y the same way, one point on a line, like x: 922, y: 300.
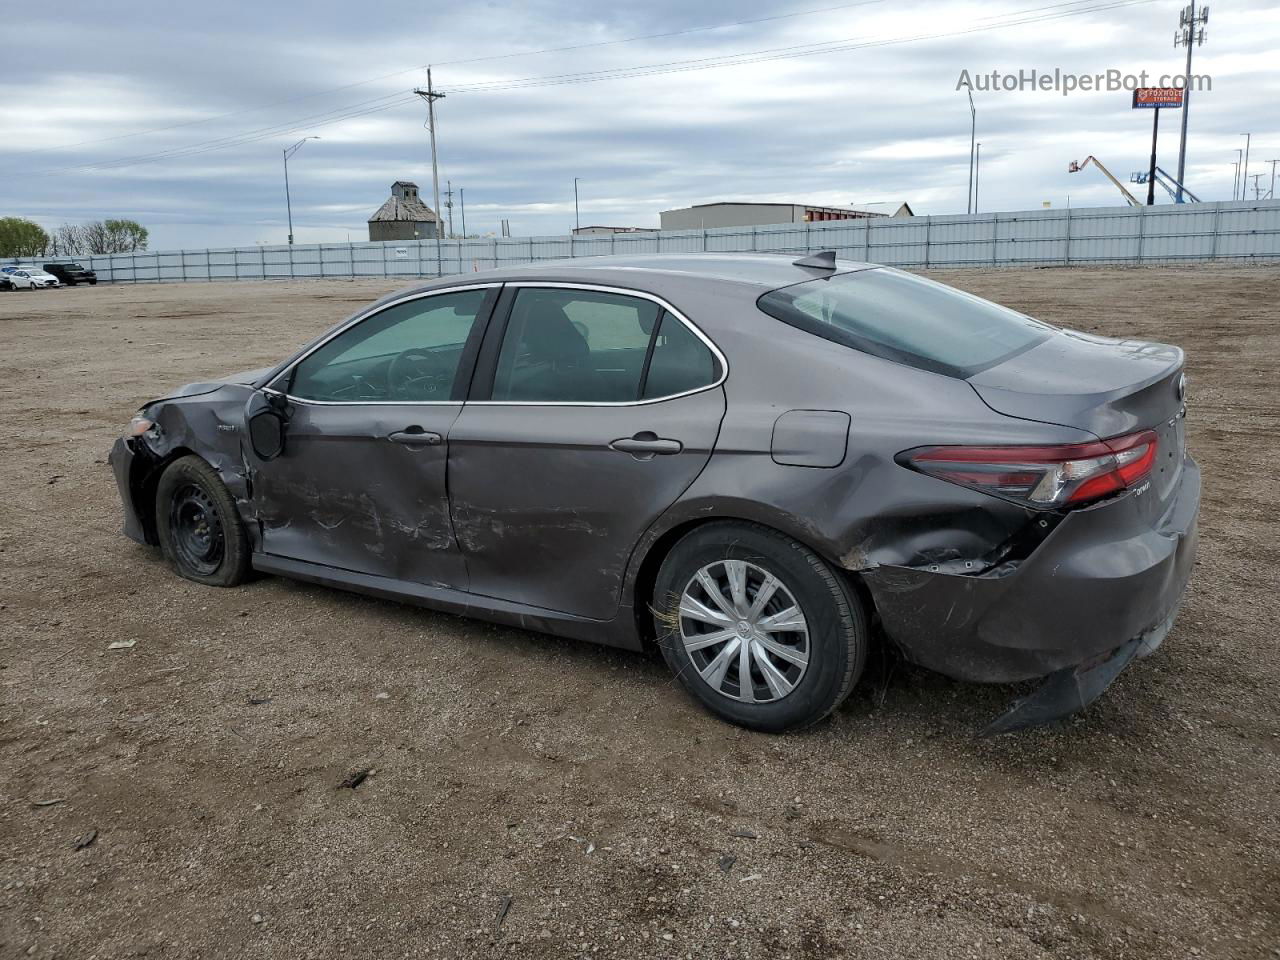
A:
x: 175, y: 114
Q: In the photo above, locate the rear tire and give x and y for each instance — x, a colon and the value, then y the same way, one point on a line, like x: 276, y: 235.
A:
x: 201, y: 533
x: 800, y: 649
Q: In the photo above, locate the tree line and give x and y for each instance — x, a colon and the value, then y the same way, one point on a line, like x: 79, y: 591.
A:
x: 25, y: 238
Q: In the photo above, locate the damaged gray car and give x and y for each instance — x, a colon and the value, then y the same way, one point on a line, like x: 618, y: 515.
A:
x: 761, y: 465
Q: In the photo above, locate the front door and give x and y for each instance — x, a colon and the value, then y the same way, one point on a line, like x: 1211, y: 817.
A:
x: 593, y: 411
x: 361, y: 482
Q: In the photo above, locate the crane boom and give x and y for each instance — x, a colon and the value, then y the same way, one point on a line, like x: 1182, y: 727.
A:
x: 1077, y: 167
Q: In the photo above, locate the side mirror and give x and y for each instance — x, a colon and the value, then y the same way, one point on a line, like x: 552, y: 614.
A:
x: 265, y: 417
x: 266, y: 434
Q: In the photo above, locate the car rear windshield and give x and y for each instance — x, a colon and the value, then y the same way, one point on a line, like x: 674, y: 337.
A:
x: 907, y: 319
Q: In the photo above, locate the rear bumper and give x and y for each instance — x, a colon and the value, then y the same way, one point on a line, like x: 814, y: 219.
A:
x: 123, y: 461
x: 1105, y: 577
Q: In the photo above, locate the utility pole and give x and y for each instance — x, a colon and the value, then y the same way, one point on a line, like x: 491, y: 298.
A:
x: 288, y: 203
x: 462, y: 203
x: 1244, y: 171
x: 977, y: 168
x: 1190, y: 34
x: 448, y: 203
x: 973, y: 132
x: 1257, y: 190
x: 431, y: 96
x: 1235, y: 183
x: 576, y: 224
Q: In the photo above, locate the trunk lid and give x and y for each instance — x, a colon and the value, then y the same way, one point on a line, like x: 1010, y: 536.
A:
x: 1105, y: 386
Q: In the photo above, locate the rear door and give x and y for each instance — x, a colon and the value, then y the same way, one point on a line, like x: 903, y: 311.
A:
x: 593, y: 410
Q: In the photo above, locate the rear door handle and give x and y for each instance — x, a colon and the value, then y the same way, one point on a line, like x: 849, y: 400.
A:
x: 416, y: 436
x: 646, y: 444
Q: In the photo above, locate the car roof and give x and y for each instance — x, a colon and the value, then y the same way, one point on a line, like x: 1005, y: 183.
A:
x: 654, y: 272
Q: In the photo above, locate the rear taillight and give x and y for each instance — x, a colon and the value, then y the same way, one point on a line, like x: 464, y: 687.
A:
x: 1047, y: 477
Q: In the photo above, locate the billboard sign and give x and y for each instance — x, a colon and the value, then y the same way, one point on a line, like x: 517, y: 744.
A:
x: 1149, y: 97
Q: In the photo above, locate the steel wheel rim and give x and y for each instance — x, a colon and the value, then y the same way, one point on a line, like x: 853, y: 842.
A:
x: 195, y: 530
x: 744, y: 631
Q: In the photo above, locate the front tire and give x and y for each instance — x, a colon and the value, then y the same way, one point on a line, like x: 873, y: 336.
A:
x: 757, y: 627
x: 201, y: 533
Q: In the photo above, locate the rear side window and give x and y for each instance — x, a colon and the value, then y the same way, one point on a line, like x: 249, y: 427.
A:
x: 566, y: 345
x: 574, y: 346
x: 680, y: 362
x: 907, y: 319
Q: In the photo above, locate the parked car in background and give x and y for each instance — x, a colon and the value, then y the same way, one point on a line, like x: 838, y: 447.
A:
x: 71, y: 273
x: 758, y: 465
x: 5, y: 282
x: 29, y: 278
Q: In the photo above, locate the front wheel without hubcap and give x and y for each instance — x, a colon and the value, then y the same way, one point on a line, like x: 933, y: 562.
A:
x: 758, y: 627
x: 200, y: 530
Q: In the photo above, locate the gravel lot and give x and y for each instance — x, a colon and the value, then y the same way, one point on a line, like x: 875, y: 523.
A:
x: 532, y: 797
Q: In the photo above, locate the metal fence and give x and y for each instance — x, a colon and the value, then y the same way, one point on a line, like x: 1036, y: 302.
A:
x: 1186, y: 233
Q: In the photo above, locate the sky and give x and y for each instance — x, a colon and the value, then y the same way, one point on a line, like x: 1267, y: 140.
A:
x: 176, y: 115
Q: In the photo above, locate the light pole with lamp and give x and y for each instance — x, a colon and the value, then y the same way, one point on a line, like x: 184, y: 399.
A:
x: 289, y: 152
x: 973, y: 132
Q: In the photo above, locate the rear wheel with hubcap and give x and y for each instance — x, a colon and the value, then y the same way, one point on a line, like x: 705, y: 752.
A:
x: 200, y: 529
x: 758, y: 627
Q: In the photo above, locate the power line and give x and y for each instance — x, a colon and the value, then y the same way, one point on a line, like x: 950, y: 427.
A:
x: 779, y: 53
x: 389, y: 101
x: 417, y: 69
x: 252, y: 136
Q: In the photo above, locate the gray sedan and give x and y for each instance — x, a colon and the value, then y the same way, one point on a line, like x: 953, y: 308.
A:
x: 761, y: 465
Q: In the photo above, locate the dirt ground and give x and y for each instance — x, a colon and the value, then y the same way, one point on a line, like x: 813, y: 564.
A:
x: 533, y: 797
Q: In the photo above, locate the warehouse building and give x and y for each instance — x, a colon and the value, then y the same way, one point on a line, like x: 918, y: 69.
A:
x: 404, y: 216
x: 595, y: 230
x: 730, y: 214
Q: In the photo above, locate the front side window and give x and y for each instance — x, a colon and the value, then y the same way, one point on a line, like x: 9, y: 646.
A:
x: 409, y: 352
x: 907, y: 319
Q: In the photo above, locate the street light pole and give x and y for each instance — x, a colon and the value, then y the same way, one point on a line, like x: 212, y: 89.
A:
x: 1235, y: 182
x: 288, y: 203
x: 1244, y: 174
x: 973, y: 132
x: 977, y: 167
x: 576, y: 223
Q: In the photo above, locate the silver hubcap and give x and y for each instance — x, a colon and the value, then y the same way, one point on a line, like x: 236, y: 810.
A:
x: 744, y: 631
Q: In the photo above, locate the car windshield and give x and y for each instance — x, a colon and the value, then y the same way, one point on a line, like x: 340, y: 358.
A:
x: 907, y: 319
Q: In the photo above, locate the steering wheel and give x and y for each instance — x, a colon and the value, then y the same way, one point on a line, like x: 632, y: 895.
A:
x: 417, y: 374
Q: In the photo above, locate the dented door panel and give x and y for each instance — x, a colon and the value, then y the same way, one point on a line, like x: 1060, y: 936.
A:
x: 547, y: 512
x: 346, y: 495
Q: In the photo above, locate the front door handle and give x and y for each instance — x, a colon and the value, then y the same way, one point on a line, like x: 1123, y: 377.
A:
x: 646, y: 444
x: 416, y: 436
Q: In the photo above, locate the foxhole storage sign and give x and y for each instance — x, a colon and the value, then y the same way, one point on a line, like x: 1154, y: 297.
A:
x: 1149, y: 97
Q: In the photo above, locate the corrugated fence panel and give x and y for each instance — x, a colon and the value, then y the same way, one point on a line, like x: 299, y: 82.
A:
x: 1029, y: 239
x: 782, y: 238
x: 685, y: 241
x: 1105, y: 235
x: 1169, y: 233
